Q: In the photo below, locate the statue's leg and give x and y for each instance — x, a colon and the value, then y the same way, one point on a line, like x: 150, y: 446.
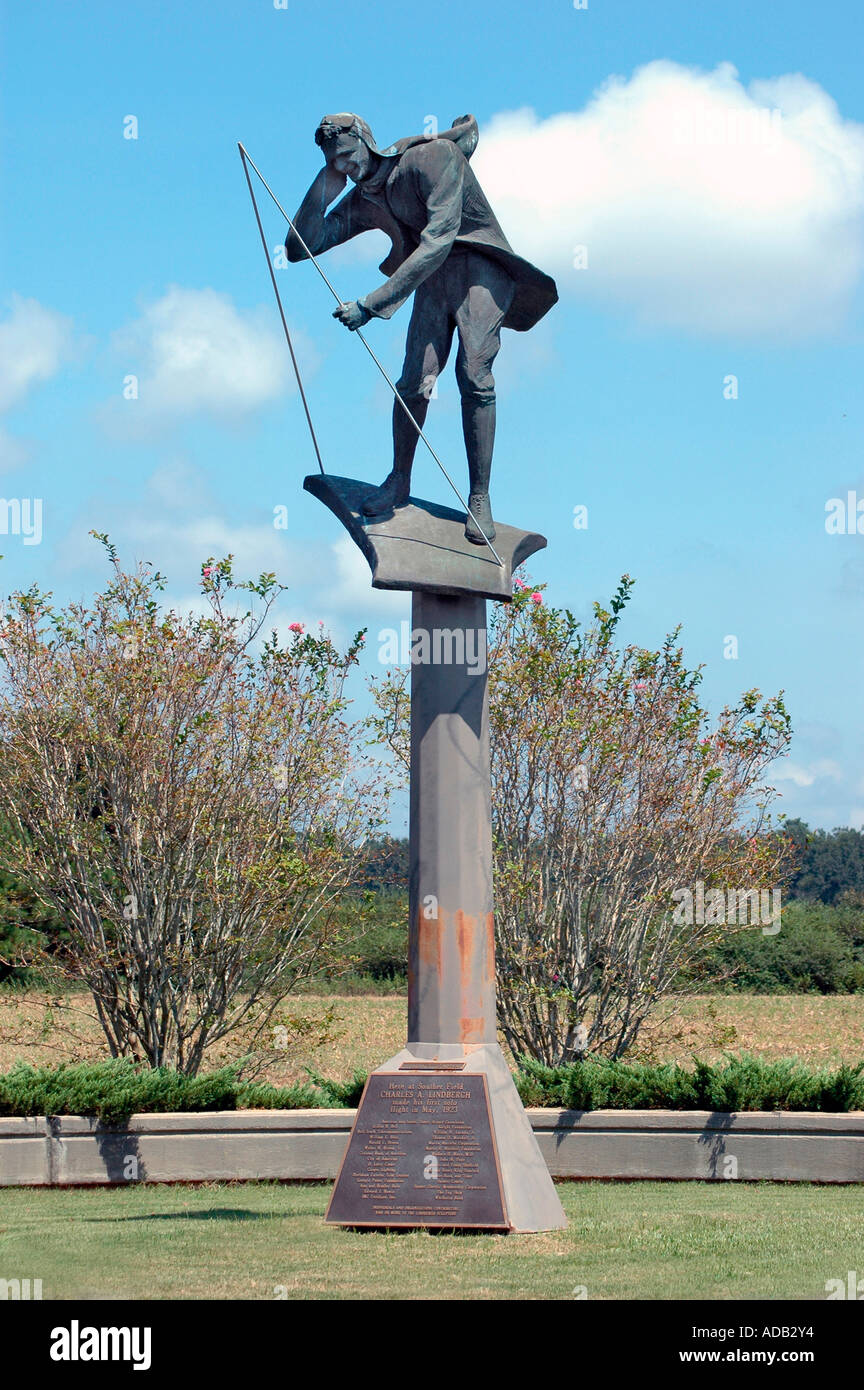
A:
x: 488, y: 293
x: 427, y: 347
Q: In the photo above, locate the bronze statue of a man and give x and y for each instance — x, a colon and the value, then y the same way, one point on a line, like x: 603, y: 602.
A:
x: 448, y: 247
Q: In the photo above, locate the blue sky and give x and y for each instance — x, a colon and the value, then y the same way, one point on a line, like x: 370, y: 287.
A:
x: 707, y: 259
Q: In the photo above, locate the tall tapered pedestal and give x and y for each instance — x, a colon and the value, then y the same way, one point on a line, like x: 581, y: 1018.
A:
x: 441, y: 1138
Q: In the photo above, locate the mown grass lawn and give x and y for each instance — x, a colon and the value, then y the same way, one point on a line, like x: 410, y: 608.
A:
x: 266, y: 1241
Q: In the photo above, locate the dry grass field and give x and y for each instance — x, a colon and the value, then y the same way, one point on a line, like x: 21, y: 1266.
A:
x: 336, y: 1034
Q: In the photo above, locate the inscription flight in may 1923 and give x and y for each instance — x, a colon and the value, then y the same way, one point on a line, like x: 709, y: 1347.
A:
x: 422, y: 1152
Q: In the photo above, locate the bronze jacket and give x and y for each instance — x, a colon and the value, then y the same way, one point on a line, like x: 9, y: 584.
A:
x: 426, y: 198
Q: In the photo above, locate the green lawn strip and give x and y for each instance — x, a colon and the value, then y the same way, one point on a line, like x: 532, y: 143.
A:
x: 258, y: 1241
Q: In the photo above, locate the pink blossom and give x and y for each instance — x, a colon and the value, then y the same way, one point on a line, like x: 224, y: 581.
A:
x: 536, y: 598
x: 641, y: 685
x: 207, y: 571
x: 518, y: 584
x: 295, y: 627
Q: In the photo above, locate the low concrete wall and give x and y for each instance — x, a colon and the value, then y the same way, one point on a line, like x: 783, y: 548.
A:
x: 239, y: 1144
x: 309, y: 1144
x: 784, y: 1146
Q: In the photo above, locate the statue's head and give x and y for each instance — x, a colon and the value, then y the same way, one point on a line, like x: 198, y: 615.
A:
x: 348, y: 145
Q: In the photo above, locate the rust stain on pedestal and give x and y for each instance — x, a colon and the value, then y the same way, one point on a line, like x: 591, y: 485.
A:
x: 472, y: 1024
x: 429, y: 944
x: 465, y: 927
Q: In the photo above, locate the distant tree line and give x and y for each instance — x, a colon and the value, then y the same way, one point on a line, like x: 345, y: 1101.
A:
x: 820, y: 949
x: 828, y: 863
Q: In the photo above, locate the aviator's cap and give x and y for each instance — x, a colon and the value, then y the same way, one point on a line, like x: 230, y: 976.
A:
x: 335, y: 134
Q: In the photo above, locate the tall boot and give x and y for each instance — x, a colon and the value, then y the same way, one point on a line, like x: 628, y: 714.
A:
x: 396, y: 487
x: 478, y: 425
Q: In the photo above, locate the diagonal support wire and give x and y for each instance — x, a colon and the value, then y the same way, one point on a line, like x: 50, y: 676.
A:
x: 281, y: 310
x: 248, y: 160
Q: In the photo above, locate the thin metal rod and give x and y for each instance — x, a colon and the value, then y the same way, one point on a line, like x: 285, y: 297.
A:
x: 393, y: 388
x: 244, y: 157
x: 429, y: 447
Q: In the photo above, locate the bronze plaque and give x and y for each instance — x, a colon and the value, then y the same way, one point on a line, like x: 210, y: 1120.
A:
x: 421, y: 1153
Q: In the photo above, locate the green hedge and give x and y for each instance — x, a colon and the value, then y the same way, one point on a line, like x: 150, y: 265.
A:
x: 738, y: 1083
x: 111, y: 1091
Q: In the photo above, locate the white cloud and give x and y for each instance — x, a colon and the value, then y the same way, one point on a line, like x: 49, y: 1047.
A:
x: 704, y: 204
x: 175, y: 484
x: 180, y: 547
x: 370, y: 248
x: 34, y: 342
x: 194, y: 352
x: 176, y: 523
x: 350, y: 588
x: 805, y: 776
x: 13, y: 452
x: 792, y: 772
x: 330, y: 584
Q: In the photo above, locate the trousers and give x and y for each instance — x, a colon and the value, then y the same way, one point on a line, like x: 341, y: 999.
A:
x: 469, y: 294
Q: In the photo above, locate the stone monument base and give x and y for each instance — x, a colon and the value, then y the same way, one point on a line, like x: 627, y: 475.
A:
x: 442, y: 1141
x: 423, y: 545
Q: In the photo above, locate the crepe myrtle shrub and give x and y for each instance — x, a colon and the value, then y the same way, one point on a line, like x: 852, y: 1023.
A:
x: 611, y: 789
x: 187, y: 794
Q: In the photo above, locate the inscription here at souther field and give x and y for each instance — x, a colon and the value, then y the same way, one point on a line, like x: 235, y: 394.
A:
x: 421, y: 1152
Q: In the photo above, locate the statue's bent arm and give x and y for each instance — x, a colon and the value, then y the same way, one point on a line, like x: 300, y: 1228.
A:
x: 438, y: 179
x: 321, y: 230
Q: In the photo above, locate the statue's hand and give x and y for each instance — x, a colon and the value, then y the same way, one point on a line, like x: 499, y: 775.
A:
x: 353, y: 315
